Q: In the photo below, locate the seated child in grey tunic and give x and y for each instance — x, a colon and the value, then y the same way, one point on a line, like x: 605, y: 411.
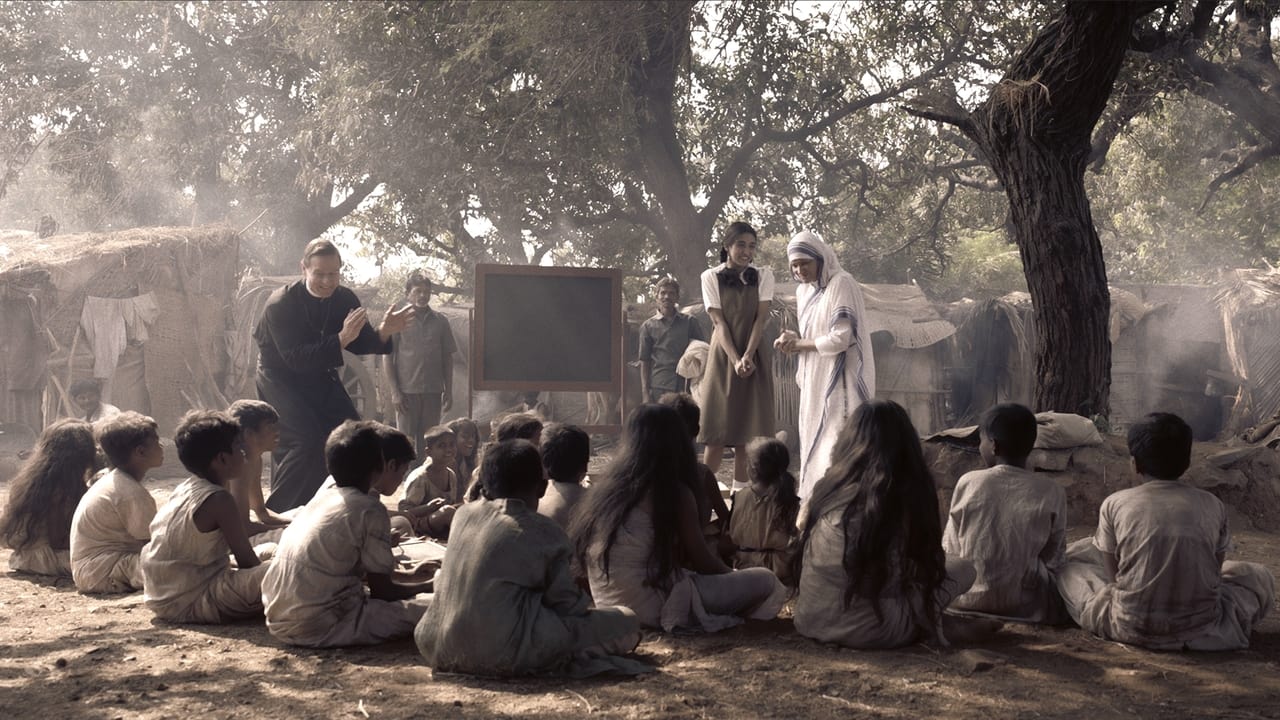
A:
x: 566, y: 450
x: 506, y: 602
x: 873, y: 571
x: 1154, y: 573
x: 1010, y: 523
x: 186, y: 574
x: 112, y: 521
x: 432, y: 492
x: 314, y: 591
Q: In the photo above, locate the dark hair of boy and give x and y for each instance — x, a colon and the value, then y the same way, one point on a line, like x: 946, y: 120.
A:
x: 44, y: 494
x: 203, y: 435
x: 519, y: 426
x: 85, y: 385
x: 667, y: 281
x: 511, y: 468
x: 396, y: 446
x: 1012, y: 427
x: 253, y: 414
x: 768, y: 463
x: 415, y: 279
x: 687, y: 407
x: 121, y: 434
x: 435, y: 435
x: 353, y: 454
x: 566, y: 450
x: 1160, y: 444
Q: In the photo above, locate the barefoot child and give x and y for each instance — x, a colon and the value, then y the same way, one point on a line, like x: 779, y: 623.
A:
x: 43, y: 498
x: 188, y: 577
x: 762, y: 524
x: 1011, y: 523
x: 1154, y: 574
x: 113, y: 520
x: 566, y: 450
x: 873, y: 571
x: 314, y: 590
x: 432, y: 492
x: 260, y: 428
x: 506, y: 602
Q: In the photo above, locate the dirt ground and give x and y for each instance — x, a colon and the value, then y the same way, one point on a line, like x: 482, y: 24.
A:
x: 65, y: 655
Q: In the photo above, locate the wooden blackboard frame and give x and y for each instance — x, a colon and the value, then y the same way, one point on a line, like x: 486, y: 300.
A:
x: 479, y: 377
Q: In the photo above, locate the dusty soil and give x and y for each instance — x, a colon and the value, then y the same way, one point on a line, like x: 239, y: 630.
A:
x: 66, y: 655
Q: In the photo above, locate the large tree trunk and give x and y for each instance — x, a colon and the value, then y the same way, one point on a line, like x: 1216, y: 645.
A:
x: 1035, y: 130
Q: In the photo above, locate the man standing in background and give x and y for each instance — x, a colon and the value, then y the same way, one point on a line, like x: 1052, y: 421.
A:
x: 304, y: 329
x: 420, y: 367
x: 663, y: 340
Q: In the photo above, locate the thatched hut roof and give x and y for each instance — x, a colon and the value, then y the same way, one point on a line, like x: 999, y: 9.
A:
x: 1250, y: 303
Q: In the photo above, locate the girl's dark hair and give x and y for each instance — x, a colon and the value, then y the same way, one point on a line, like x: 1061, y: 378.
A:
x: 731, y: 233
x: 44, y: 494
x: 891, y: 525
x: 655, y: 461
x: 768, y: 461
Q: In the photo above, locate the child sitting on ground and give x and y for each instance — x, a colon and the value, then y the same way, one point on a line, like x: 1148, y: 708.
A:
x: 566, y: 450
x: 706, y: 489
x: 874, y: 574
x: 432, y: 492
x: 517, y: 426
x: 113, y: 520
x: 314, y: 590
x: 762, y: 524
x: 1154, y: 574
x: 186, y: 573
x: 43, y: 498
x: 506, y: 602
x: 260, y: 428
x: 1011, y: 523
x: 467, y: 434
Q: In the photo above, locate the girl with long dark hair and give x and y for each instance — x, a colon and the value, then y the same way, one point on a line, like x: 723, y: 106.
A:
x: 43, y: 498
x: 636, y: 531
x: 872, y: 570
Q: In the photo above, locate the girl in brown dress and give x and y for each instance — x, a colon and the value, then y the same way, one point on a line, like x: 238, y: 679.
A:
x: 736, y: 391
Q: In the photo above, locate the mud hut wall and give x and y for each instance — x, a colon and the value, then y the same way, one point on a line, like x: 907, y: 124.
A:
x: 22, y: 362
x: 914, y: 378
x: 190, y: 270
x: 1162, y: 363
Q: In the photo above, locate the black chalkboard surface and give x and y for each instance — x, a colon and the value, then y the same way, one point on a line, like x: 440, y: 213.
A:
x: 547, y: 328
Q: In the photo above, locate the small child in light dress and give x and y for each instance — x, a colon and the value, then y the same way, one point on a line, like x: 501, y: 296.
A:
x: 113, y: 520
x: 187, y: 575
x: 762, y: 524
x: 432, y: 492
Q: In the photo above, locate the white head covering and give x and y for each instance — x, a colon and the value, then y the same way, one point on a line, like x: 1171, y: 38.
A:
x: 808, y: 245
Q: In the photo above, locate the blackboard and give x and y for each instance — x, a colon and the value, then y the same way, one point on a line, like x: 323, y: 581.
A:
x: 547, y: 328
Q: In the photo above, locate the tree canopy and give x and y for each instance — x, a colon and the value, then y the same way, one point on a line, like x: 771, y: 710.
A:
x: 622, y: 133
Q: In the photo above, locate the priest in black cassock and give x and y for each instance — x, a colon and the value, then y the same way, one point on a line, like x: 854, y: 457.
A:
x: 303, y: 331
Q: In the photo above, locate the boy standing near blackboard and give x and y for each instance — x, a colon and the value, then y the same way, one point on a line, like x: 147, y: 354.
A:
x: 663, y: 340
x: 420, y: 367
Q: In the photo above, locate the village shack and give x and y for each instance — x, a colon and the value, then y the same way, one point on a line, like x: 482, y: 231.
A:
x: 146, y: 311
x: 1167, y: 353
x: 1249, y: 301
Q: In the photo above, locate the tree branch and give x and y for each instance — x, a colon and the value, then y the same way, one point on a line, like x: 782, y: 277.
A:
x: 1244, y: 165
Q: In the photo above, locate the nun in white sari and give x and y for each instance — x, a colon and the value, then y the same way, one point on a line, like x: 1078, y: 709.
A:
x: 836, y: 369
